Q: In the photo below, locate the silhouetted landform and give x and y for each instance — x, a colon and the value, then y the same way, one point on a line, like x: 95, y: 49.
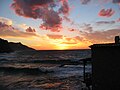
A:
x: 106, y: 66
x: 7, y: 47
x: 19, y: 46
x: 4, y: 46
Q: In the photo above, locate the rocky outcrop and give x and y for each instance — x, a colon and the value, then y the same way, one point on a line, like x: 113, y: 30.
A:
x: 4, y: 46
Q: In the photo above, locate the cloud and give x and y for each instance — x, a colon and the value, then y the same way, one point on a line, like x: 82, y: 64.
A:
x: 5, y: 26
x: 23, y: 26
x: 102, y: 36
x: 84, y: 2
x: 88, y: 34
x: 60, y: 39
x: 51, y: 20
x: 29, y: 8
x: 73, y: 40
x: 68, y: 43
x: 78, y: 38
x: 30, y: 30
x: 66, y: 18
x: 51, y: 36
x: 118, y: 20
x: 65, y: 7
x: 116, y: 1
x: 44, y: 10
x: 6, y: 21
x: 87, y: 28
x: 105, y: 22
x: 72, y: 30
x: 10, y: 31
x: 106, y: 13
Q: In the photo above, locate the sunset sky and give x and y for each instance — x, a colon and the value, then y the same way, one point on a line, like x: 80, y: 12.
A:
x: 59, y: 24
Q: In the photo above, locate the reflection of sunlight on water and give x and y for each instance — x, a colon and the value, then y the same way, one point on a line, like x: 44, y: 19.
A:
x: 40, y: 82
x: 66, y: 78
x: 49, y: 85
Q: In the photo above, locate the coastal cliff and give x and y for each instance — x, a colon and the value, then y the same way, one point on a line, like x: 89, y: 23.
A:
x: 19, y: 46
x: 7, y: 47
x: 4, y: 46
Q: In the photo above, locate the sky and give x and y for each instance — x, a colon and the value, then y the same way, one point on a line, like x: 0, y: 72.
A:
x: 59, y: 24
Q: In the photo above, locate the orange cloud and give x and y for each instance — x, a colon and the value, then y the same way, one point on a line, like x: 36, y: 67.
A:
x: 55, y: 36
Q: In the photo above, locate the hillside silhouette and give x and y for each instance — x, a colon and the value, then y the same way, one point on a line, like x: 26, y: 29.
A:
x: 7, y: 47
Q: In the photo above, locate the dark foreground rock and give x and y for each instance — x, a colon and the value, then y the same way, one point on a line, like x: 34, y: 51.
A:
x: 4, y: 46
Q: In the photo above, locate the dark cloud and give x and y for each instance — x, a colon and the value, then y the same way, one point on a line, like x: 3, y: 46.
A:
x: 85, y: 1
x: 105, y: 22
x: 30, y: 30
x: 106, y: 13
x: 42, y: 9
x: 116, y: 1
x: 51, y: 20
x: 65, y: 7
x: 72, y: 30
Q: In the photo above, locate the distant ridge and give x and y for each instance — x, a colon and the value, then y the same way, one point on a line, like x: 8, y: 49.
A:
x: 6, y: 47
x: 19, y: 46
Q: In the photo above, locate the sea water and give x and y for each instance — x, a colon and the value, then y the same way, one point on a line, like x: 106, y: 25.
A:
x: 18, y: 70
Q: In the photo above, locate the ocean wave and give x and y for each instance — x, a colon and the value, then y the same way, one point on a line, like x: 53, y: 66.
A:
x: 26, y: 70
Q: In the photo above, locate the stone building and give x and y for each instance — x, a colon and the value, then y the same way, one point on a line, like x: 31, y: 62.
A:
x: 106, y: 66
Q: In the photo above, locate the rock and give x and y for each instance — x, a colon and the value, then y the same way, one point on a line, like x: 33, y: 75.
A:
x: 4, y: 46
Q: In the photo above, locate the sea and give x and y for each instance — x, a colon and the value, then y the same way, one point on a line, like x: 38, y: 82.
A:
x: 36, y: 70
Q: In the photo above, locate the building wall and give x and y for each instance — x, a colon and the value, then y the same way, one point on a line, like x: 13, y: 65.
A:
x: 106, y: 68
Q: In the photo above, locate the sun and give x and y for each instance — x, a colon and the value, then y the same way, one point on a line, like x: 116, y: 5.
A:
x: 62, y: 47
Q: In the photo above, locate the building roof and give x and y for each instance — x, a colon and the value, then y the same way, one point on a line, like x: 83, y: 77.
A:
x: 105, y: 45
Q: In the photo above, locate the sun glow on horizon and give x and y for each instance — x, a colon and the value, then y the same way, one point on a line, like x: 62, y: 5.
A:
x: 62, y: 47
